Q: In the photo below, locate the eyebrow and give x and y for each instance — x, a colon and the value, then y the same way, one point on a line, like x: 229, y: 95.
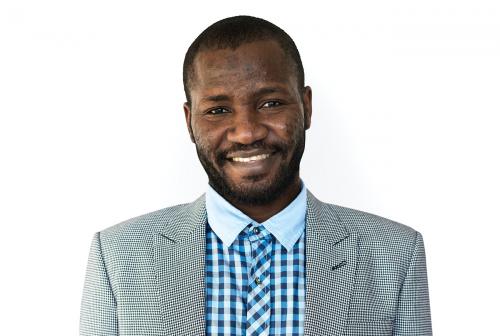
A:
x: 260, y: 92
x: 216, y: 98
x: 267, y: 90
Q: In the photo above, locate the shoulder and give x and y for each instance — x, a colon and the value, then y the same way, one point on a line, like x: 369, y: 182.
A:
x: 371, y: 226
x: 139, y: 230
x: 385, y: 247
x: 149, y: 222
x: 376, y: 235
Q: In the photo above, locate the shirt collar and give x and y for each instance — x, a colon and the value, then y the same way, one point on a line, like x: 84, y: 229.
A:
x: 227, y: 221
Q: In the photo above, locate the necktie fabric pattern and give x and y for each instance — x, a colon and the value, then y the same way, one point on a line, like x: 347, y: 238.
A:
x: 259, y: 296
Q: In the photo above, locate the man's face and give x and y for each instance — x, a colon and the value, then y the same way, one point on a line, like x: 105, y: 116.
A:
x: 248, y: 120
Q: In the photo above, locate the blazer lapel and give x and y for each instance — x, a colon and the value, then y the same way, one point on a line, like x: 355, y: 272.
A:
x: 179, y: 253
x: 331, y: 257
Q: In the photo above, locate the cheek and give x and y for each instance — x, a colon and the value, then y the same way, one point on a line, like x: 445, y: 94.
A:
x: 206, y: 138
x: 288, y: 129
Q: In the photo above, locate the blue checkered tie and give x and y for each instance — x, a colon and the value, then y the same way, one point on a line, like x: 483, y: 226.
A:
x: 259, y: 296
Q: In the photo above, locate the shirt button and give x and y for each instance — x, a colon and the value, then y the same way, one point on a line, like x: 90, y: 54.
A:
x: 256, y: 230
x: 257, y: 281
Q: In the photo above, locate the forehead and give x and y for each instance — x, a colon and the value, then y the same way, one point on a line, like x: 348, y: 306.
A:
x: 249, y: 64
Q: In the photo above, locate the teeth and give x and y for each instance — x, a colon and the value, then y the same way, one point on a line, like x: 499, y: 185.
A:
x: 252, y: 158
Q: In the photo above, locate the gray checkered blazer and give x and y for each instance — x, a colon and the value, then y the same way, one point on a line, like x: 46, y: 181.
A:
x: 365, y: 275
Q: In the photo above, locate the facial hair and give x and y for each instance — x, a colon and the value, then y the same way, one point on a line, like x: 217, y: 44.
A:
x: 287, y: 174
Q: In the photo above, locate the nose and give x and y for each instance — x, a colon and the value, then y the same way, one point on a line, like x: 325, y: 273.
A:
x: 247, y: 127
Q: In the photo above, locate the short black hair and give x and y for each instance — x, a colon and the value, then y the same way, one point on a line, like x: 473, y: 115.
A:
x: 231, y: 33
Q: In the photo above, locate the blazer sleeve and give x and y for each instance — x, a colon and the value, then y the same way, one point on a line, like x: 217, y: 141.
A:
x: 98, y: 308
x: 413, y: 314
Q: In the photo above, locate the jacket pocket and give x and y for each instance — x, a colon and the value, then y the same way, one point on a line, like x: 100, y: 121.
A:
x: 369, y: 328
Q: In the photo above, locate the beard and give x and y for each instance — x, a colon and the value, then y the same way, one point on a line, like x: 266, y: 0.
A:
x: 255, y: 193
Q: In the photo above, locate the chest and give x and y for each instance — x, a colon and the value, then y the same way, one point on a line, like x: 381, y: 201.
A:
x: 254, y: 286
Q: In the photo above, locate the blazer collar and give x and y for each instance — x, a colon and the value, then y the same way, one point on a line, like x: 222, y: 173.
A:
x: 185, y: 220
x: 331, y: 261
x: 179, y: 261
x: 323, y: 222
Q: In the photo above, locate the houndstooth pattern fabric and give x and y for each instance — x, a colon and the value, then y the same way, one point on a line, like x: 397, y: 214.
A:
x: 365, y: 275
x: 231, y: 274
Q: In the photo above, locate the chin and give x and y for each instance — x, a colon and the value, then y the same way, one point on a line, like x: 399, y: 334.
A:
x: 251, y: 195
x: 252, y: 190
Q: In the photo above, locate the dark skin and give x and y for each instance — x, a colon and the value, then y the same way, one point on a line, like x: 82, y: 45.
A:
x: 241, y: 98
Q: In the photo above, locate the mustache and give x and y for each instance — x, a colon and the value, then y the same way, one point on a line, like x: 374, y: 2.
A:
x: 276, y: 147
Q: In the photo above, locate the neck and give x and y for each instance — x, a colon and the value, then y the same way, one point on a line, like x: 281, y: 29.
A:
x: 262, y: 212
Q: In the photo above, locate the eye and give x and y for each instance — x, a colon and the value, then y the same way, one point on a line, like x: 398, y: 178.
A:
x: 271, y: 104
x: 217, y: 110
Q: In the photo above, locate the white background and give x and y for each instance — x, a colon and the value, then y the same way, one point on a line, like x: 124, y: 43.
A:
x: 405, y: 125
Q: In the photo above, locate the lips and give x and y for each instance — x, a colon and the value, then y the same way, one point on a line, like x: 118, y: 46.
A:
x: 249, y: 155
x: 251, y: 158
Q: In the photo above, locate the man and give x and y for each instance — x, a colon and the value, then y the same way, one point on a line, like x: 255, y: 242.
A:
x: 257, y: 254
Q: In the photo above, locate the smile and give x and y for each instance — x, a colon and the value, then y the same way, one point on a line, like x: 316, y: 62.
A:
x: 251, y: 158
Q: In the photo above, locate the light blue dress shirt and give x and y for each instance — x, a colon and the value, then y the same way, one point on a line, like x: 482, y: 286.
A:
x: 243, y: 257
x: 227, y: 221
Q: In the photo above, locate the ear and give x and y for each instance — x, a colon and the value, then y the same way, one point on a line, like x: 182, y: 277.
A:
x: 187, y: 115
x: 307, y: 105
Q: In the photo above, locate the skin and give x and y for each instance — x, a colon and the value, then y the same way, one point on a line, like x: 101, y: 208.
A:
x: 246, y: 102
